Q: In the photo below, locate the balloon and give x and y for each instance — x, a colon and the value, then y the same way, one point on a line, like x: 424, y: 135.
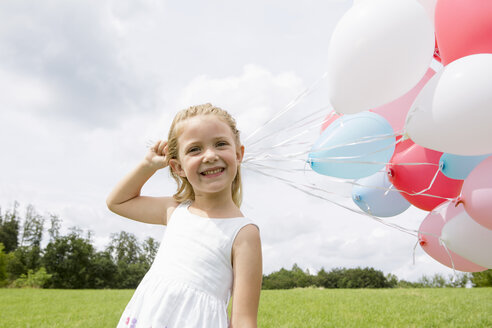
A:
x: 457, y: 166
x: 469, y: 239
x: 413, y: 170
x: 330, y: 118
x: 430, y: 230
x: 372, y: 196
x: 453, y: 113
x: 349, y: 147
x: 477, y: 193
x: 430, y: 7
x: 463, y: 28
x: 396, y: 111
x: 379, y: 50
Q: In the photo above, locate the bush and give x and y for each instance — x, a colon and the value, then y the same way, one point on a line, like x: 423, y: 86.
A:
x: 32, y: 280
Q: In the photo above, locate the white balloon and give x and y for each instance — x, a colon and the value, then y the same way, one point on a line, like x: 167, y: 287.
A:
x: 380, y: 49
x: 430, y: 7
x: 469, y: 239
x: 453, y: 112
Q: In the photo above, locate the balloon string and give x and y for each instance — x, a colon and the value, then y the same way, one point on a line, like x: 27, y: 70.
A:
x: 414, y: 249
x: 289, y: 106
x: 443, y: 244
x: 308, y: 186
x: 430, y: 185
x: 291, y: 184
x: 362, y: 140
x: 353, y: 143
x: 250, y: 163
x: 388, y: 190
x: 312, y: 123
x: 254, y: 157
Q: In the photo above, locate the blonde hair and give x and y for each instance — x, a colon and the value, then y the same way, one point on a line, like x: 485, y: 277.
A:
x: 185, y: 190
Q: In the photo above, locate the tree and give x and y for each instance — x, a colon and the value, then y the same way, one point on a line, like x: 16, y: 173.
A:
x: 124, y: 247
x: 33, y: 227
x: 69, y: 260
x: 301, y: 278
x: 482, y: 279
x: 9, y: 229
x: 149, y: 250
x: 28, y: 255
x: 363, y: 278
x: 55, y: 225
x: 3, y: 266
x: 103, y: 271
x: 127, y: 254
x: 392, y: 280
x: 282, y: 279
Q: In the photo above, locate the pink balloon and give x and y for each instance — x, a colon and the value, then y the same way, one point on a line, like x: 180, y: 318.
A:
x: 431, y: 228
x: 330, y: 118
x: 396, y: 111
x: 477, y: 193
x: 412, y: 170
x: 463, y: 28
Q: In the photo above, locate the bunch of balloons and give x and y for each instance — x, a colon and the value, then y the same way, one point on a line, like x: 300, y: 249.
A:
x: 406, y: 133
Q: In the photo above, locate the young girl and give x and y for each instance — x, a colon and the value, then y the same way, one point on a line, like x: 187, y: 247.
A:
x: 209, y: 250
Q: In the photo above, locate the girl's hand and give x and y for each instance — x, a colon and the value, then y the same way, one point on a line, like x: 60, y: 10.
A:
x: 156, y: 156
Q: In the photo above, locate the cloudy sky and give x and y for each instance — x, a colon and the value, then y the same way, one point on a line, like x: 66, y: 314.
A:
x: 85, y: 85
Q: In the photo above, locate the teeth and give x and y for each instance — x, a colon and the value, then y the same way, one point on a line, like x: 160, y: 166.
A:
x: 212, y: 171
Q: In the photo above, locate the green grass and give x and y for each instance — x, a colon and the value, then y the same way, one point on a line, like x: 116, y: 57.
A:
x: 278, y: 308
x: 377, y: 308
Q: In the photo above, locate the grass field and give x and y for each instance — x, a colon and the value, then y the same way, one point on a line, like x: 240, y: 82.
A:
x: 448, y: 307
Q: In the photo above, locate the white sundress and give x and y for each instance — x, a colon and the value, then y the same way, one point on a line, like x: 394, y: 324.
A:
x: 190, y: 281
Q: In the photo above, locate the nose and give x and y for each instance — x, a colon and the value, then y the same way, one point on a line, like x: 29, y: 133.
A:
x: 210, y: 155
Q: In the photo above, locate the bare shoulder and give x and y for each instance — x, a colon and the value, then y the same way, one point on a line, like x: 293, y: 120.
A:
x: 248, y: 233
x: 247, y: 240
x: 153, y: 210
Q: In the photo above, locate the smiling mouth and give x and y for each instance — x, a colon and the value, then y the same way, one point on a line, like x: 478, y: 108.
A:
x: 211, y: 172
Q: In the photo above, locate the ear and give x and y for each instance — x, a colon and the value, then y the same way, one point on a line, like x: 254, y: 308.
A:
x: 177, y: 168
x: 240, y: 154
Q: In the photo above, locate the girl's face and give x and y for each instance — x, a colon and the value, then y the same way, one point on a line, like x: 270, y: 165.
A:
x: 207, y: 154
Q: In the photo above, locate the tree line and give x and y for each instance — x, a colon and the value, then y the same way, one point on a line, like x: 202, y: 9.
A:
x: 368, y: 278
x: 72, y: 261
x: 69, y: 261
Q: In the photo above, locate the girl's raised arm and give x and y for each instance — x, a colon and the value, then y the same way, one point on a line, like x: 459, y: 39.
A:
x: 125, y: 199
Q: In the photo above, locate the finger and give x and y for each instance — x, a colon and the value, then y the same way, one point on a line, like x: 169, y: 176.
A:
x: 162, y: 145
x: 155, y: 146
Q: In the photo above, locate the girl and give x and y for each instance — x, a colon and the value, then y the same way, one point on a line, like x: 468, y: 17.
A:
x: 210, y: 250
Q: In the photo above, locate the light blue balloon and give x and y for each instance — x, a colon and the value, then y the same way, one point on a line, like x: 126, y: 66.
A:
x: 353, y: 146
x: 458, y: 166
x: 372, y: 196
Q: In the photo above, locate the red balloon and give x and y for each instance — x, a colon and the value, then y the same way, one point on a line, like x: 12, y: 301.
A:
x: 412, y: 169
x: 330, y: 118
x: 463, y: 28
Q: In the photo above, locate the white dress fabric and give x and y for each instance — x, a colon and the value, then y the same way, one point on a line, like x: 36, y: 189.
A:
x: 190, y: 281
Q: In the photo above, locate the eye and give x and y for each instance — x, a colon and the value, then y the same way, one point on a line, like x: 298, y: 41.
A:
x: 222, y: 143
x: 194, y: 149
